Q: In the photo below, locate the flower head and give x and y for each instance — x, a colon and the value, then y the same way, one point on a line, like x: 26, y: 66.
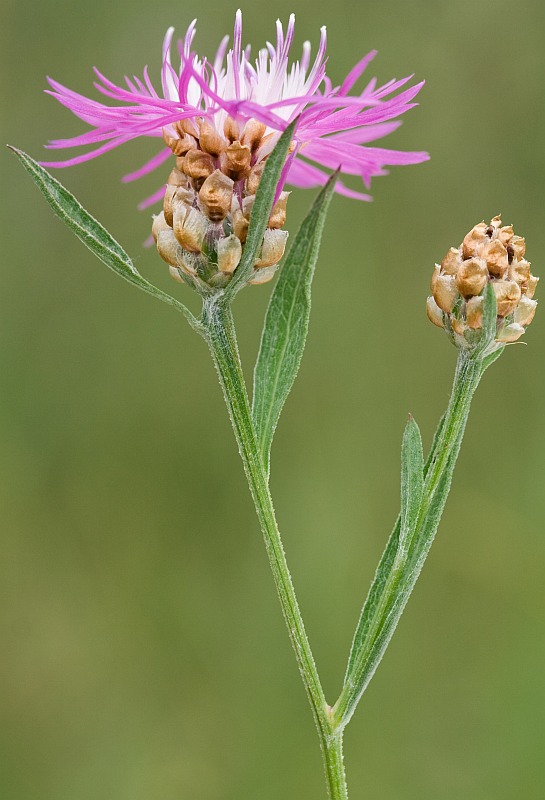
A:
x: 488, y: 254
x: 221, y: 119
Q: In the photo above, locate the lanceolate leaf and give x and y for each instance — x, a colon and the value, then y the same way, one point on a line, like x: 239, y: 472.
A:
x: 92, y: 233
x: 286, y: 323
x: 261, y: 210
x: 412, y: 480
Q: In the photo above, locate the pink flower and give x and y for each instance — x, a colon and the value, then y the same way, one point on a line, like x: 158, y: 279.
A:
x: 334, y: 127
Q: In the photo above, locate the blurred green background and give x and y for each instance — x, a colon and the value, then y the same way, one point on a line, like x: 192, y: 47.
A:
x: 144, y: 654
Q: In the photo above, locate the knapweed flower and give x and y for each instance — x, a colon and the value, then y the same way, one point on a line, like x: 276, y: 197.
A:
x: 220, y: 120
x: 489, y: 254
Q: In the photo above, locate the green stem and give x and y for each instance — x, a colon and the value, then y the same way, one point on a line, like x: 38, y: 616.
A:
x: 398, y: 571
x: 219, y: 332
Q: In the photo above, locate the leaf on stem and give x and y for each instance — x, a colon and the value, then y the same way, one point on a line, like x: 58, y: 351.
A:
x: 412, y: 481
x: 261, y: 210
x: 92, y: 233
x: 286, y: 323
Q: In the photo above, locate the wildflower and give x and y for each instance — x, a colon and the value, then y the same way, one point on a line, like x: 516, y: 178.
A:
x: 488, y: 254
x: 220, y: 121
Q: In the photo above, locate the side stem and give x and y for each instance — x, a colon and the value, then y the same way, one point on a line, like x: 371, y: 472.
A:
x: 219, y: 332
x: 397, y: 575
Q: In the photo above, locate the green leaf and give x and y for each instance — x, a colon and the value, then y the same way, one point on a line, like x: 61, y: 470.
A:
x: 490, y: 312
x: 261, y: 210
x: 286, y: 323
x: 412, y: 480
x: 412, y: 536
x: 92, y: 233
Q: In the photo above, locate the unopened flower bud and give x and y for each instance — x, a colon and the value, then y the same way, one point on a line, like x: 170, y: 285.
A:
x: 215, y: 196
x: 489, y: 254
x: 229, y: 254
x: 190, y: 228
x: 272, y: 249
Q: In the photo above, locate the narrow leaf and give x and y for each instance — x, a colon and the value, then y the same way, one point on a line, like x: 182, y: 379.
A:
x: 261, y: 210
x: 490, y: 312
x: 412, y: 480
x: 286, y: 323
x: 92, y: 233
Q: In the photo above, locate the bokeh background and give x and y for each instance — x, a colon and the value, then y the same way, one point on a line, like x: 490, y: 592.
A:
x: 144, y: 654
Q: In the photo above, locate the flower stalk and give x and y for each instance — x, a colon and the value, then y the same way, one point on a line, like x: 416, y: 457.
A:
x: 219, y: 332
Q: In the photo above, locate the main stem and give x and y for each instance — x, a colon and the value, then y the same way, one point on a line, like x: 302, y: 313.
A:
x: 219, y: 332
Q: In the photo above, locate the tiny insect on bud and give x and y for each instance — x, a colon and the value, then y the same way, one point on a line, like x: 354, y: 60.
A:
x: 272, y: 249
x: 229, y: 254
x: 215, y: 196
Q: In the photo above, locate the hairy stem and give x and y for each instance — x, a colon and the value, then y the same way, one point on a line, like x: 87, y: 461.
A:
x: 219, y: 332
